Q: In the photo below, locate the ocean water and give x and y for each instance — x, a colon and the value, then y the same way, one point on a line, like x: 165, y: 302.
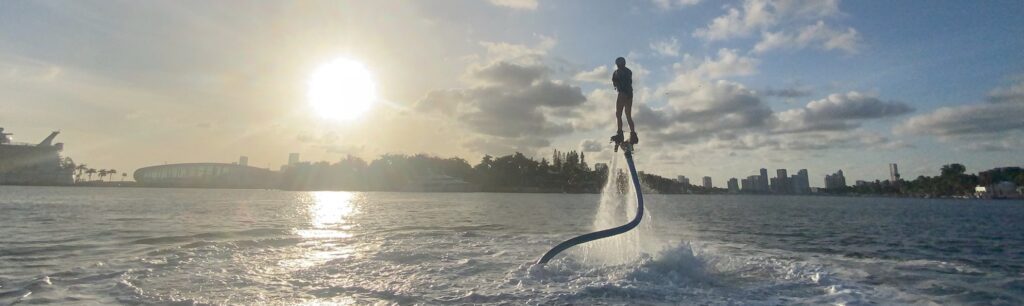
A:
x: 193, y: 246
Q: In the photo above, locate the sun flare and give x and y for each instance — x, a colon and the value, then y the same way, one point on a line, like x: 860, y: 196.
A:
x: 342, y: 89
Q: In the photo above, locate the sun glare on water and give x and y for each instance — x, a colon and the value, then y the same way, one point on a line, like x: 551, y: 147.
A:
x: 342, y: 89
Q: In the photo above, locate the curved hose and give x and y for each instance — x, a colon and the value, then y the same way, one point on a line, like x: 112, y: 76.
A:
x: 608, y: 232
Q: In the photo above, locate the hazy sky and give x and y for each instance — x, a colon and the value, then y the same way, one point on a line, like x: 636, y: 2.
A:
x: 723, y: 87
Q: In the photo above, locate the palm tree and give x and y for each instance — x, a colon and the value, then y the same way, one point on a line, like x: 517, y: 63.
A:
x: 81, y: 168
x: 111, y: 172
x: 103, y: 172
x: 90, y: 172
x: 123, y: 175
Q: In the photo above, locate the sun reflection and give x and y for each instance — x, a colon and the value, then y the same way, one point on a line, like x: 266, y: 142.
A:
x: 327, y: 234
x: 327, y: 215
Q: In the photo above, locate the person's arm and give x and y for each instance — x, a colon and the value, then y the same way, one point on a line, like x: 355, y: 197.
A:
x: 615, y: 79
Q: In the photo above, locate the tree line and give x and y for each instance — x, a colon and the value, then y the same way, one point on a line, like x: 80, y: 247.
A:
x: 952, y: 180
x: 563, y: 172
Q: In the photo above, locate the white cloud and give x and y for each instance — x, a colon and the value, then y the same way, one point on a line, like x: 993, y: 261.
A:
x: 780, y: 23
x: 753, y: 15
x: 728, y: 63
x: 818, y: 34
x: 995, y: 125
x: 667, y: 47
x: 674, y: 4
x: 600, y: 74
x: 498, y: 51
x: 838, y: 112
x: 516, y: 4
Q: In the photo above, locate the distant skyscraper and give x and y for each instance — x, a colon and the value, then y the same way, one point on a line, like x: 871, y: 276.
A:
x: 801, y: 183
x: 781, y: 184
x: 243, y: 160
x: 763, y: 181
x: 707, y: 182
x: 836, y: 181
x: 293, y: 158
x: 751, y: 184
x: 894, y: 173
x: 733, y: 185
x: 683, y: 180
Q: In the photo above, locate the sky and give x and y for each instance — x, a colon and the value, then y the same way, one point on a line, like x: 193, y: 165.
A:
x: 722, y: 88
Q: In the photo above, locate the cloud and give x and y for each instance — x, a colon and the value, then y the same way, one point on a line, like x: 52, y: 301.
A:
x: 590, y: 145
x: 708, y: 109
x: 818, y: 34
x: 516, y: 4
x: 666, y: 47
x: 1001, y: 115
x: 691, y: 72
x: 1014, y: 93
x: 498, y: 51
x: 967, y: 120
x: 512, y: 103
x: 786, y: 92
x: 780, y: 25
x: 600, y: 74
x: 839, y: 112
x: 674, y: 4
x: 805, y: 142
x: 508, y: 73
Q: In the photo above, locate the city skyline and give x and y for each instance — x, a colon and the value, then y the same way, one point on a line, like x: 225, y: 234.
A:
x: 722, y: 87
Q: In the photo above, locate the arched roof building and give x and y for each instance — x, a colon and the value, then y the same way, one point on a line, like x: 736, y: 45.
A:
x: 206, y: 175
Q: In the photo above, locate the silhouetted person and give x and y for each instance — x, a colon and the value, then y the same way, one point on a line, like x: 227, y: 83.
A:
x: 622, y: 79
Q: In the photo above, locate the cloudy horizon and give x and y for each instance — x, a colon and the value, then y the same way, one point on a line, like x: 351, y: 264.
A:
x: 722, y: 88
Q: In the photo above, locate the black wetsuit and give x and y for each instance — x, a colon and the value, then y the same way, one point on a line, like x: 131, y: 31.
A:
x: 623, y: 81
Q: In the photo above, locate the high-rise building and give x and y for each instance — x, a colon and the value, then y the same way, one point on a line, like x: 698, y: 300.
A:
x: 781, y: 184
x: 293, y: 158
x: 894, y: 173
x: 243, y: 160
x: 683, y: 180
x: 801, y: 183
x: 751, y: 184
x: 763, y: 180
x: 707, y: 182
x: 733, y: 185
x: 835, y: 181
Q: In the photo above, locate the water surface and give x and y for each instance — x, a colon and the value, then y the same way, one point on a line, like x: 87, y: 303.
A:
x: 143, y: 246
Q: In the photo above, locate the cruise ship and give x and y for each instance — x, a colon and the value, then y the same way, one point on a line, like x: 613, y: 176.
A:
x: 33, y: 164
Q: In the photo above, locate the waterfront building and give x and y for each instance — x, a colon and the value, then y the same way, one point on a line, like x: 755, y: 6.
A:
x: 894, y: 173
x: 781, y: 183
x: 733, y: 185
x: 835, y: 181
x: 707, y: 182
x: 243, y: 160
x: 207, y: 175
x: 763, y: 180
x: 293, y: 158
x: 801, y: 182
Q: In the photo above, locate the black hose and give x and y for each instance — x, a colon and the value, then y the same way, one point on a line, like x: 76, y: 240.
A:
x: 611, y: 231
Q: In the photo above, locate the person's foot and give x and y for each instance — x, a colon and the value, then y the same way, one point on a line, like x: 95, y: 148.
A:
x: 618, y: 138
x: 633, y: 139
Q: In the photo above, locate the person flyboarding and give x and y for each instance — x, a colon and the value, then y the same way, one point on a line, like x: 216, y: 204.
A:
x: 622, y: 79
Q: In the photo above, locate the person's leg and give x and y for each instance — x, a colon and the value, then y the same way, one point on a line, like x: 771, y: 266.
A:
x: 629, y: 118
x: 619, y: 105
x: 628, y: 105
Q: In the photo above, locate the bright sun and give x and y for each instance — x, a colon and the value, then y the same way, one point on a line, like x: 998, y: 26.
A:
x: 342, y: 89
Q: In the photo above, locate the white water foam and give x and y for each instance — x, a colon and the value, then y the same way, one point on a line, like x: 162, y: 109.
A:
x: 617, y: 208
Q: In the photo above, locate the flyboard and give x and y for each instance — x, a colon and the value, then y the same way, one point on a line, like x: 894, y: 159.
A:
x: 627, y: 150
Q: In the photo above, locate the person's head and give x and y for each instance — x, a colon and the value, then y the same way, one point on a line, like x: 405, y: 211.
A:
x: 621, y: 62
